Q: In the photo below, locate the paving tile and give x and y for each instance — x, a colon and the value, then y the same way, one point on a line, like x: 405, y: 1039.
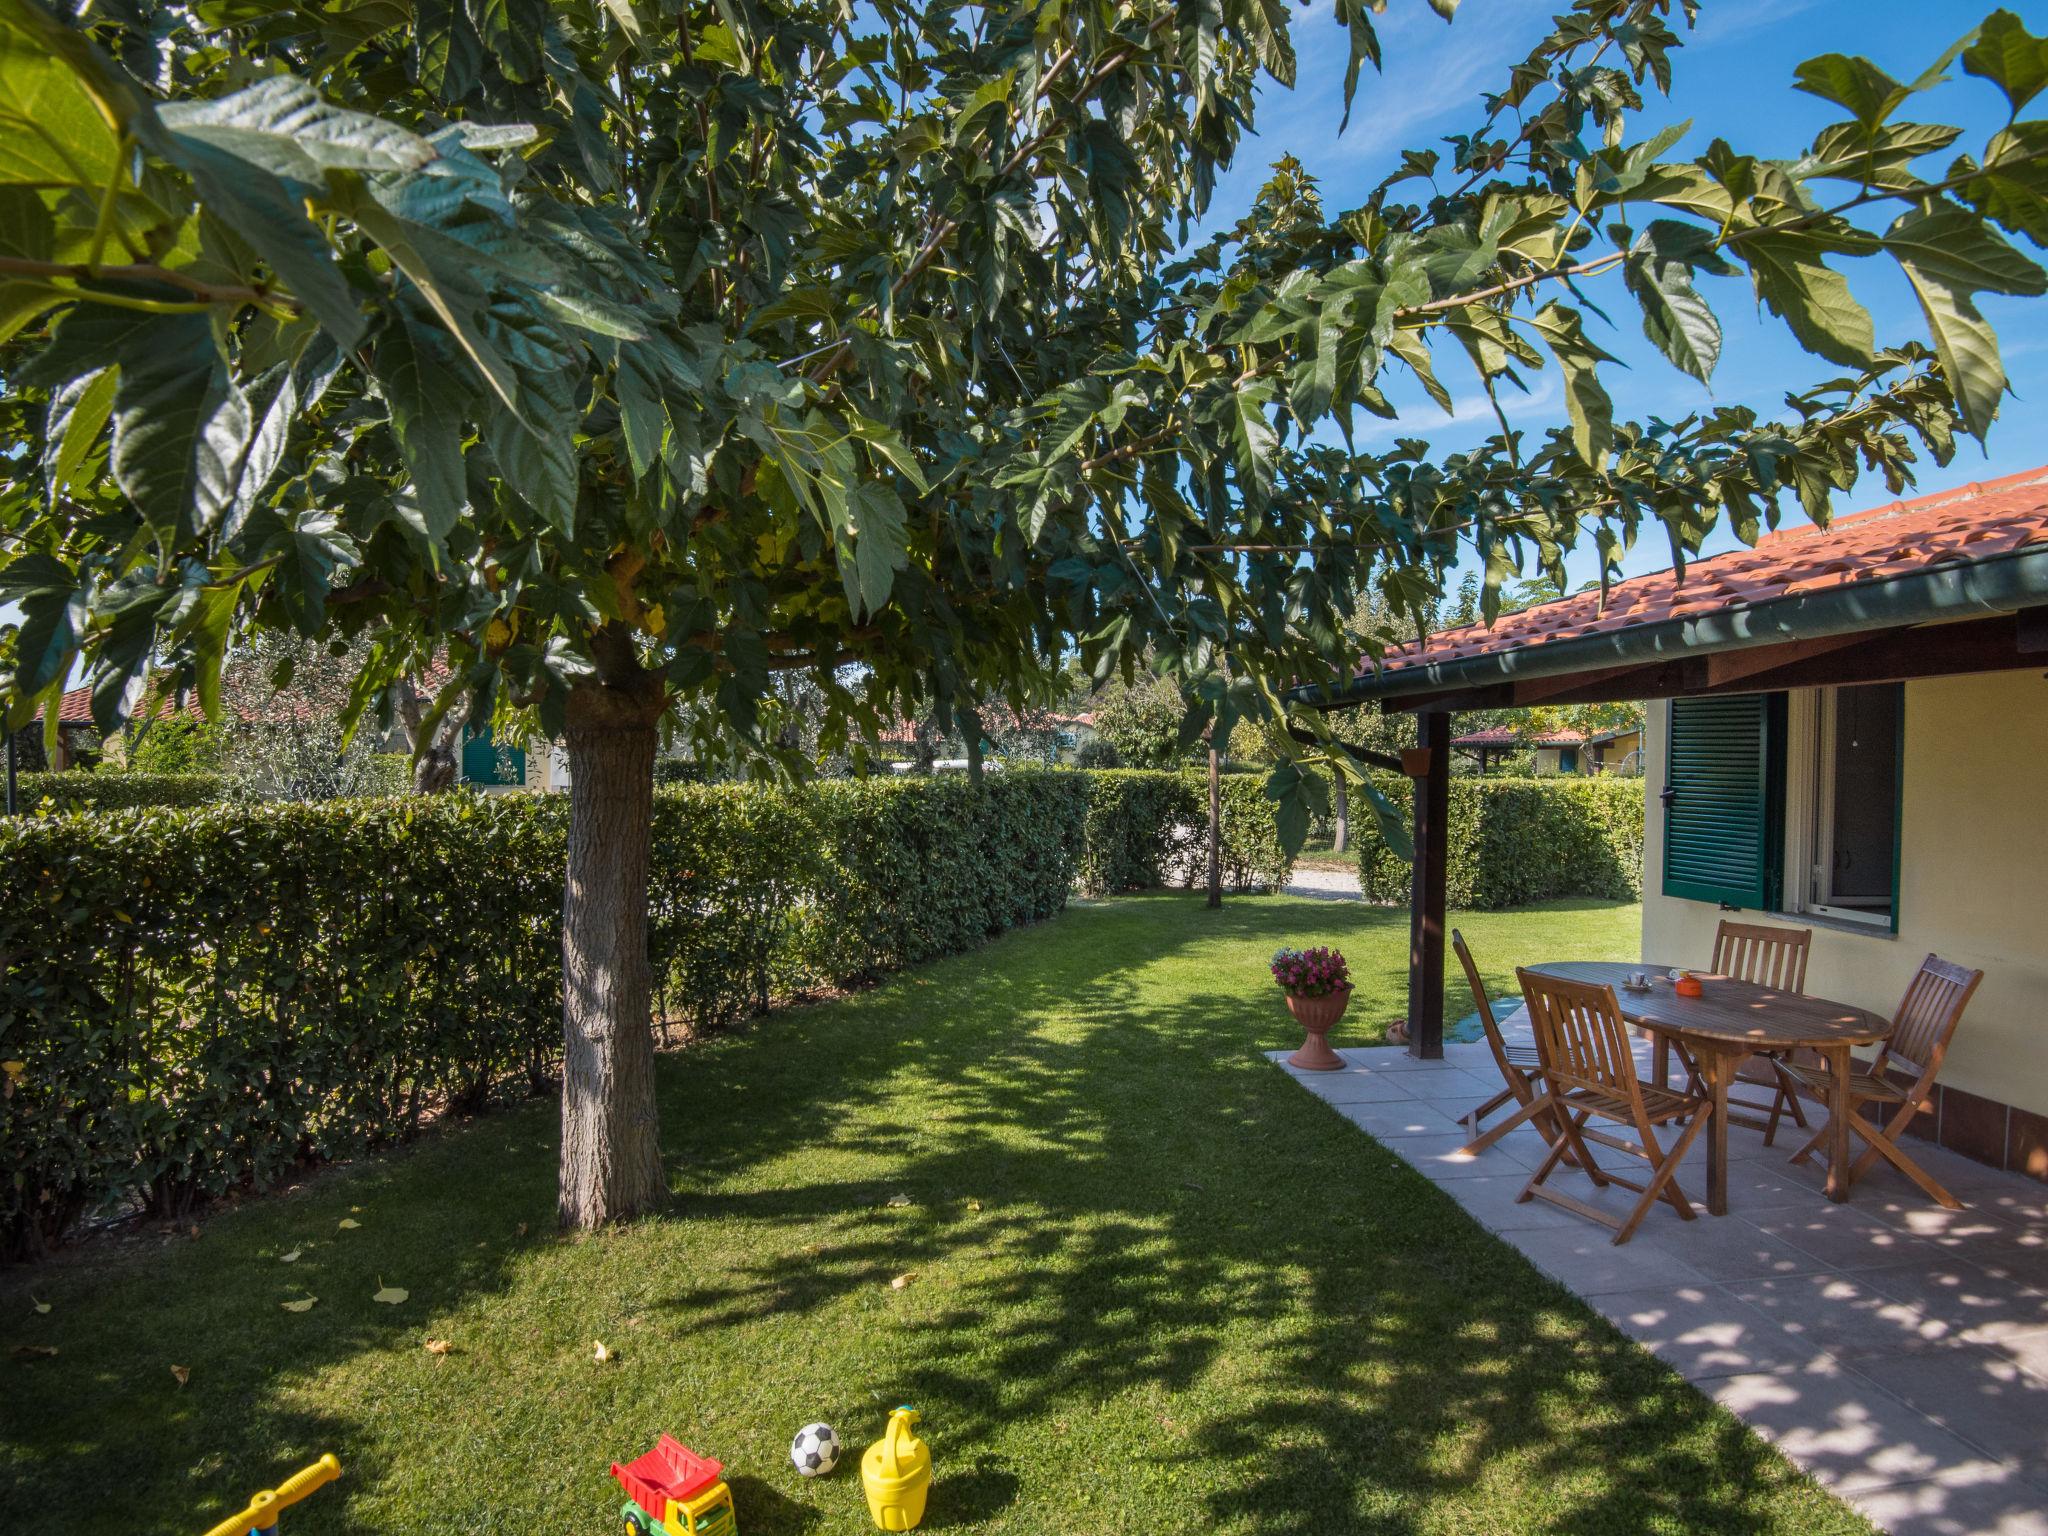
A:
x: 1467, y: 1090
x: 1443, y: 1158
x: 1360, y: 1087
x: 1843, y: 1237
x: 1584, y: 1259
x: 1845, y: 1431
x: 1402, y: 1117
x: 1842, y: 1315
x: 1494, y: 1202
x: 1728, y: 1247
x: 1704, y: 1331
x: 1962, y: 1302
x: 2029, y: 1351
x: 1976, y: 1393
x: 1995, y: 1503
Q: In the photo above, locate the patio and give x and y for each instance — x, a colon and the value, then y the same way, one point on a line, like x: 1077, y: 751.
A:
x: 1896, y: 1351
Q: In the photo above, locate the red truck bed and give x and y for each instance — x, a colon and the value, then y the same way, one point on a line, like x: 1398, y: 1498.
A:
x: 670, y: 1471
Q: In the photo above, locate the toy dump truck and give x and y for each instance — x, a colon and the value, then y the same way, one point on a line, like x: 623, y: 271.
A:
x: 675, y: 1492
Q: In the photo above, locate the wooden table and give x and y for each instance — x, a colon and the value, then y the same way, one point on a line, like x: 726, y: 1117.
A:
x: 1724, y: 1028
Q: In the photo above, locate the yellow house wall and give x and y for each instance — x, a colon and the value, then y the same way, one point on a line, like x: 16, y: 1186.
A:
x: 1973, y: 872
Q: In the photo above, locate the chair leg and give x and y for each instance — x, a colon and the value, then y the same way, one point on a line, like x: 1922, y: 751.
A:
x: 1818, y: 1137
x: 1527, y: 1112
x: 1882, y: 1144
x: 1567, y: 1147
x: 1786, y: 1098
x: 1666, y: 1168
x: 1471, y: 1118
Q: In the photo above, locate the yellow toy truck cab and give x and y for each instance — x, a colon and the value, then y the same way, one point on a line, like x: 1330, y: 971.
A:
x: 675, y: 1492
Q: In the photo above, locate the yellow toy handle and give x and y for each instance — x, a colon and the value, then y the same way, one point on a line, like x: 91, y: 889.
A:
x: 264, y: 1509
x: 899, y: 1424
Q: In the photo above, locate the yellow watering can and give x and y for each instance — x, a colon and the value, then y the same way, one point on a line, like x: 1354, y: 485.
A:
x: 897, y: 1474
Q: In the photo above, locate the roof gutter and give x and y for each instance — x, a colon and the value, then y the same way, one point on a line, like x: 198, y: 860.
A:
x: 1958, y: 589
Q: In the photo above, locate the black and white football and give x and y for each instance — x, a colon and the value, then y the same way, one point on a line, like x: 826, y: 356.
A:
x: 815, y: 1450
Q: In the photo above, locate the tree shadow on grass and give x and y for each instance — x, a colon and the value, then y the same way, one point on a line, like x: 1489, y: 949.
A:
x: 1126, y: 1236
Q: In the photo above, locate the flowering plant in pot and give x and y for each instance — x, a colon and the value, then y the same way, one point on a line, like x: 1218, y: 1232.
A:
x: 1317, y: 985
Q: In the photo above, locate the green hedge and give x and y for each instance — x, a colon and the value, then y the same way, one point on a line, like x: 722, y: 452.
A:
x: 1521, y: 840
x: 212, y: 996
x: 1148, y: 829
x: 113, y: 790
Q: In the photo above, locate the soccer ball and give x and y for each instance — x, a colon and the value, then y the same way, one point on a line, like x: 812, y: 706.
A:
x: 815, y: 1450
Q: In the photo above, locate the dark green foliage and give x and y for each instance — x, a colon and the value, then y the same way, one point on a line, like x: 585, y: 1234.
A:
x: 1522, y: 840
x: 213, y: 996
x: 178, y: 745
x: 1146, y: 830
x: 102, y: 791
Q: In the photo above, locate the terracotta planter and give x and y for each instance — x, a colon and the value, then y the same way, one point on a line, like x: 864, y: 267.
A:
x: 1318, y: 1016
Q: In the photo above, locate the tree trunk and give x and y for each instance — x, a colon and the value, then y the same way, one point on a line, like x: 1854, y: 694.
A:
x: 1215, y: 829
x: 435, y: 764
x: 970, y: 727
x: 611, y: 1142
x: 1340, y: 829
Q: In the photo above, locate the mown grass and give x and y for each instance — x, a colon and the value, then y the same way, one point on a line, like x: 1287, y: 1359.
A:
x: 1153, y: 1287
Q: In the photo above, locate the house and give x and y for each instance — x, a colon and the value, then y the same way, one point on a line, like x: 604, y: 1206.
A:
x: 1557, y: 751
x: 1846, y: 729
x: 1615, y: 751
x: 1561, y: 751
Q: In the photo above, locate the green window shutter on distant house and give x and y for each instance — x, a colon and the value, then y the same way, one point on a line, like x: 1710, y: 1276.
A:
x: 1723, y: 811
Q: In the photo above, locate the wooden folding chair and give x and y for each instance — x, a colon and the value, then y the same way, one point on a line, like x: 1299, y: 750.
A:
x: 1775, y: 958
x: 1921, y: 1030
x: 1517, y: 1063
x: 1589, y: 1070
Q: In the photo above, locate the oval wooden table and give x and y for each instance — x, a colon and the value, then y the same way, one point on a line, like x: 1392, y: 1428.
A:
x: 1721, y: 1030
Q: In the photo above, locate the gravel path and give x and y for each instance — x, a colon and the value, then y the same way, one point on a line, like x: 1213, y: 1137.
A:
x: 1323, y: 884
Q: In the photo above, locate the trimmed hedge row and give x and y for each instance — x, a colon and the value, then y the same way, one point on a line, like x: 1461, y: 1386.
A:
x: 116, y: 791
x: 1521, y: 840
x: 1149, y: 829
x: 201, y: 998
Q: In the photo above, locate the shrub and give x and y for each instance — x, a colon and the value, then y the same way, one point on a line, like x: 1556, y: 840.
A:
x: 210, y: 996
x: 178, y: 744
x: 1147, y: 829
x: 106, y: 790
x: 1520, y: 840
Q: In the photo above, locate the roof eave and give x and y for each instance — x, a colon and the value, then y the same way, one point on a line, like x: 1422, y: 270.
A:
x: 2001, y: 584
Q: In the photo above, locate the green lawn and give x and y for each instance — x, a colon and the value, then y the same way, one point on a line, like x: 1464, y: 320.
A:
x: 1153, y: 1287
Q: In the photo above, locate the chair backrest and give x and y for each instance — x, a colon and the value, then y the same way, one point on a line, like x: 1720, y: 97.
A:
x: 1928, y: 1015
x: 1756, y: 952
x: 1487, y: 1022
x: 1580, y: 1035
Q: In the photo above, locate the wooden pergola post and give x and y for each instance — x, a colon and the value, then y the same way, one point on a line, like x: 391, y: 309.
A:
x: 1430, y: 767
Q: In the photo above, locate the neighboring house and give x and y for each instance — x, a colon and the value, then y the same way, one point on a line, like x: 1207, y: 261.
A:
x: 1553, y: 751
x: 1617, y: 751
x: 1558, y: 751
x: 1846, y: 730
x: 1046, y: 737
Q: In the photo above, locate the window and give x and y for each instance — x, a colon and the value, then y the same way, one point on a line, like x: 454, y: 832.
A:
x: 1842, y: 803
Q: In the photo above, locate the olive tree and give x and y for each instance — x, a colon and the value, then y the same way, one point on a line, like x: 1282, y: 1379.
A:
x: 624, y: 354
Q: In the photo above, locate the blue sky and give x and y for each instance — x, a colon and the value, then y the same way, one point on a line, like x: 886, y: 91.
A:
x: 1733, y: 79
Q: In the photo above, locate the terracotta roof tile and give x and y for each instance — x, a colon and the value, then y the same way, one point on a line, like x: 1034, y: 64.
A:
x: 1978, y: 522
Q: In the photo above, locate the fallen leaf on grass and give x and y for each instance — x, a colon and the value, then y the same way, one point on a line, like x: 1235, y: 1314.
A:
x: 599, y: 1353
x: 974, y: 1205
x: 902, y: 1280
x: 303, y: 1304
x: 522, y: 1230
x: 182, y: 1372
x: 290, y: 1258
x: 899, y: 1199
x: 35, y: 1351
x: 438, y: 1346
x: 42, y: 1307
x: 391, y: 1295
x: 347, y: 1222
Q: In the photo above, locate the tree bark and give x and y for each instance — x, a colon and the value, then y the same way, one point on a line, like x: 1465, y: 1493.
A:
x: 435, y: 763
x: 1340, y: 829
x: 611, y: 1142
x: 1215, y: 829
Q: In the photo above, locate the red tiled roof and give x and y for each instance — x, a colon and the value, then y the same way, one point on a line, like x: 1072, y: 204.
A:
x: 905, y: 731
x: 1977, y: 522
x: 75, y: 707
x: 1508, y: 736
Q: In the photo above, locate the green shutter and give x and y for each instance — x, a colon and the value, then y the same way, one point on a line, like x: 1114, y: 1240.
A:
x: 1723, y: 822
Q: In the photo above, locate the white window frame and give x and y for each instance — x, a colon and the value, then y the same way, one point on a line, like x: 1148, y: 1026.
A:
x: 1810, y: 715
